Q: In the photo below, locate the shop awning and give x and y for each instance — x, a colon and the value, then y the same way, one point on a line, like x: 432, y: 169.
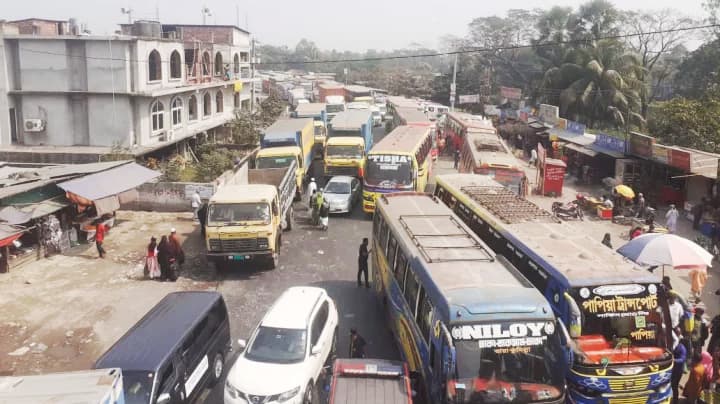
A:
x: 9, y: 233
x: 581, y: 149
x: 23, y: 213
x: 572, y: 137
x: 110, y: 182
x: 607, y: 152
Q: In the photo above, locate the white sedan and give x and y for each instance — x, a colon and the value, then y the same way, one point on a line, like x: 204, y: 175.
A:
x: 342, y: 193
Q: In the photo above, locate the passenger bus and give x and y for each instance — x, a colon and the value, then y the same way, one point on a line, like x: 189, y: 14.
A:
x: 410, y: 116
x: 617, y: 313
x: 485, y: 153
x: 457, y: 124
x: 399, y: 162
x: 469, y: 325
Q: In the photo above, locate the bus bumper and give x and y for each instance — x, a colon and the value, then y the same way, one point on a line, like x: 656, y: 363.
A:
x: 661, y: 396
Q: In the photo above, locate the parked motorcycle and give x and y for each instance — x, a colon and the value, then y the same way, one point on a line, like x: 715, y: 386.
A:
x: 570, y: 210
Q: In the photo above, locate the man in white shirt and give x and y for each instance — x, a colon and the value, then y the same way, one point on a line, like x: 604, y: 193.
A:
x: 676, y: 311
x: 195, y: 203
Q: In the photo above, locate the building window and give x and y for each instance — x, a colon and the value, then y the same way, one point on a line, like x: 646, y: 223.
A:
x: 157, y: 112
x: 218, y: 64
x: 236, y: 64
x: 219, y: 102
x: 236, y: 100
x: 154, y: 66
x: 244, y: 57
x: 176, y: 108
x: 175, y: 65
x: 207, y: 106
x: 192, y: 108
x: 206, y: 64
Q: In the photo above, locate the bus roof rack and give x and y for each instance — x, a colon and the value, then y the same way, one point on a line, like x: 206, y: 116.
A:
x: 507, y: 206
x: 454, y: 243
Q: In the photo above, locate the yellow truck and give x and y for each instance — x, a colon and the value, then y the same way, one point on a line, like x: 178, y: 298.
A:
x: 317, y: 111
x: 288, y: 140
x: 245, y: 222
x: 349, y: 139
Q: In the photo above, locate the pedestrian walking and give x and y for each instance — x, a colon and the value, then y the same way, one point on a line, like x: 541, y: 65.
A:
x: 315, y: 218
x: 152, y: 267
x: 694, y: 385
x: 679, y: 357
x: 714, y: 343
x: 363, y: 254
x: 701, y: 329
x: 357, y: 344
x: 163, y: 257
x: 311, y: 188
x: 606, y: 241
x: 176, y: 251
x: 533, y: 158
x: 456, y: 158
x: 698, y: 279
x: 324, y: 215
x: 195, y: 203
x: 202, y: 218
x: 640, y: 205
x: 671, y: 219
x: 100, y: 238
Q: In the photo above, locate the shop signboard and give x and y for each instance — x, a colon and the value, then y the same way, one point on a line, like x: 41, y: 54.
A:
x: 640, y: 145
x: 610, y: 143
x: 511, y: 93
x: 660, y: 153
x: 491, y: 110
x: 469, y: 99
x: 680, y: 159
x: 548, y: 113
x: 575, y: 127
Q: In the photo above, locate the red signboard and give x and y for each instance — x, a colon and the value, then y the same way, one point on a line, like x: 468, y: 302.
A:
x: 641, y: 145
x: 680, y: 159
x: 553, y: 177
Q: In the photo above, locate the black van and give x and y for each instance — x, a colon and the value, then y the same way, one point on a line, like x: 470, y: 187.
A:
x: 176, y: 350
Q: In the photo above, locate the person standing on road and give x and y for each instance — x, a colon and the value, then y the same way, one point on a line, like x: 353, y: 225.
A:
x: 202, y: 218
x: 315, y: 218
x: 533, y: 158
x: 679, y: 357
x: 357, y: 344
x: 312, y: 187
x: 163, y: 257
x: 324, y: 215
x: 100, y: 238
x: 195, y: 203
x: 363, y: 254
x: 151, y: 262
x: 176, y: 250
x: 671, y: 219
x: 456, y: 158
x: 694, y: 385
x: 640, y: 206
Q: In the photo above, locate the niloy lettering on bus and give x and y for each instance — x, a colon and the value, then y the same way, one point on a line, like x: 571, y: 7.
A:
x: 536, y: 329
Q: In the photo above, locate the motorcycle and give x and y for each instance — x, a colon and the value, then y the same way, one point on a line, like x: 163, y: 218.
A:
x: 570, y: 210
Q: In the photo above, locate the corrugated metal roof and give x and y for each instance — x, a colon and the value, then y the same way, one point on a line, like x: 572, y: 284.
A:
x: 110, y: 182
x: 19, y: 214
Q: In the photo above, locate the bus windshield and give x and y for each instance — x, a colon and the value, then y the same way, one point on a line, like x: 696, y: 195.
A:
x: 341, y: 151
x: 389, y: 171
x: 621, y: 324
x: 501, y: 369
x: 274, y: 162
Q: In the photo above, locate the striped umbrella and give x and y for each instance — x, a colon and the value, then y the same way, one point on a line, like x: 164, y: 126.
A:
x: 666, y: 249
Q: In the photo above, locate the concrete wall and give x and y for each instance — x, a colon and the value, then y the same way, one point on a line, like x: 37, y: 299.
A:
x: 141, y: 53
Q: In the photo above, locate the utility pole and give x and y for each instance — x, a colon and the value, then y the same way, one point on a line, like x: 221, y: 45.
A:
x: 205, y: 13
x: 452, y: 86
x: 129, y: 12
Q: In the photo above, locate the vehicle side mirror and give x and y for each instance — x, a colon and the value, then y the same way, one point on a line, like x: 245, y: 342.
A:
x: 316, y: 349
x: 242, y: 344
x: 163, y: 398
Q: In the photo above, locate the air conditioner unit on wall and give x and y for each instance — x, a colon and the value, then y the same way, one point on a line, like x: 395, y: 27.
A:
x: 34, y: 125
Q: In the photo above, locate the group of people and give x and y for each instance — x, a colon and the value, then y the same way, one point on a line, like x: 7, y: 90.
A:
x: 319, y: 206
x: 160, y: 257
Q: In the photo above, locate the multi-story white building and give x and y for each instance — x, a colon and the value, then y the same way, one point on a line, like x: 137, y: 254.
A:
x: 70, y: 98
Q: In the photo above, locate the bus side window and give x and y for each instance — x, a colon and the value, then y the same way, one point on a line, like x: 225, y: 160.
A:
x: 376, y: 224
x: 424, y: 316
x: 411, y: 291
x: 391, y: 251
x: 400, y: 269
x: 383, y: 235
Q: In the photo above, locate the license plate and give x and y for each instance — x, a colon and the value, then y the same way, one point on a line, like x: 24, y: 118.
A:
x: 238, y: 257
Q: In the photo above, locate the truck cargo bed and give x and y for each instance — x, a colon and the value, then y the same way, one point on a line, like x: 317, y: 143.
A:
x: 359, y: 390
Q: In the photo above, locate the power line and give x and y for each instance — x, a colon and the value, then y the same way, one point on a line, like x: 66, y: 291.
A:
x: 493, y: 49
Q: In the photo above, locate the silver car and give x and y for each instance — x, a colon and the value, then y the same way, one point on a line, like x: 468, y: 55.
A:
x: 342, y: 192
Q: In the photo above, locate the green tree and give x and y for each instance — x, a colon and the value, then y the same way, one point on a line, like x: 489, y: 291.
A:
x: 594, y: 79
x: 689, y: 123
x: 699, y: 71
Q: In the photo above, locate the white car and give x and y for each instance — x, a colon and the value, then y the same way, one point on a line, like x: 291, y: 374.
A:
x: 287, y: 351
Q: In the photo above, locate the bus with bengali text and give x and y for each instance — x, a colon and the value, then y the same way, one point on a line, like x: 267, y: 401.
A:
x: 616, y: 312
x: 399, y: 162
x: 485, y: 153
x: 470, y: 326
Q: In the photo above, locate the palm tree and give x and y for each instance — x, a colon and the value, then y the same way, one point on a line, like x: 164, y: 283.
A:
x: 597, y: 81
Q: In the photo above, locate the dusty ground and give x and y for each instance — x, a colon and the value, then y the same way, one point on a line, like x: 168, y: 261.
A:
x: 60, y: 313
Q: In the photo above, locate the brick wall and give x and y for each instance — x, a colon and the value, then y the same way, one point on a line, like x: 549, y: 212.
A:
x: 43, y: 28
x: 219, y: 35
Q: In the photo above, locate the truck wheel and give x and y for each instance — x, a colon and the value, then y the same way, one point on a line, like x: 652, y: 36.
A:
x: 275, y: 259
x: 290, y: 219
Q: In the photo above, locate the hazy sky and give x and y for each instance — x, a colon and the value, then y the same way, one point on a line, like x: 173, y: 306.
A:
x: 339, y: 24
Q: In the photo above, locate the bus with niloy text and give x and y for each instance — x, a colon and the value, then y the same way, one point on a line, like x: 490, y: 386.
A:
x: 399, y: 162
x: 471, y: 327
x: 616, y: 312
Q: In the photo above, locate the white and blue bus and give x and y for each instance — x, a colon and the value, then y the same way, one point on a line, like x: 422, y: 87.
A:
x: 469, y: 325
x: 616, y: 312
